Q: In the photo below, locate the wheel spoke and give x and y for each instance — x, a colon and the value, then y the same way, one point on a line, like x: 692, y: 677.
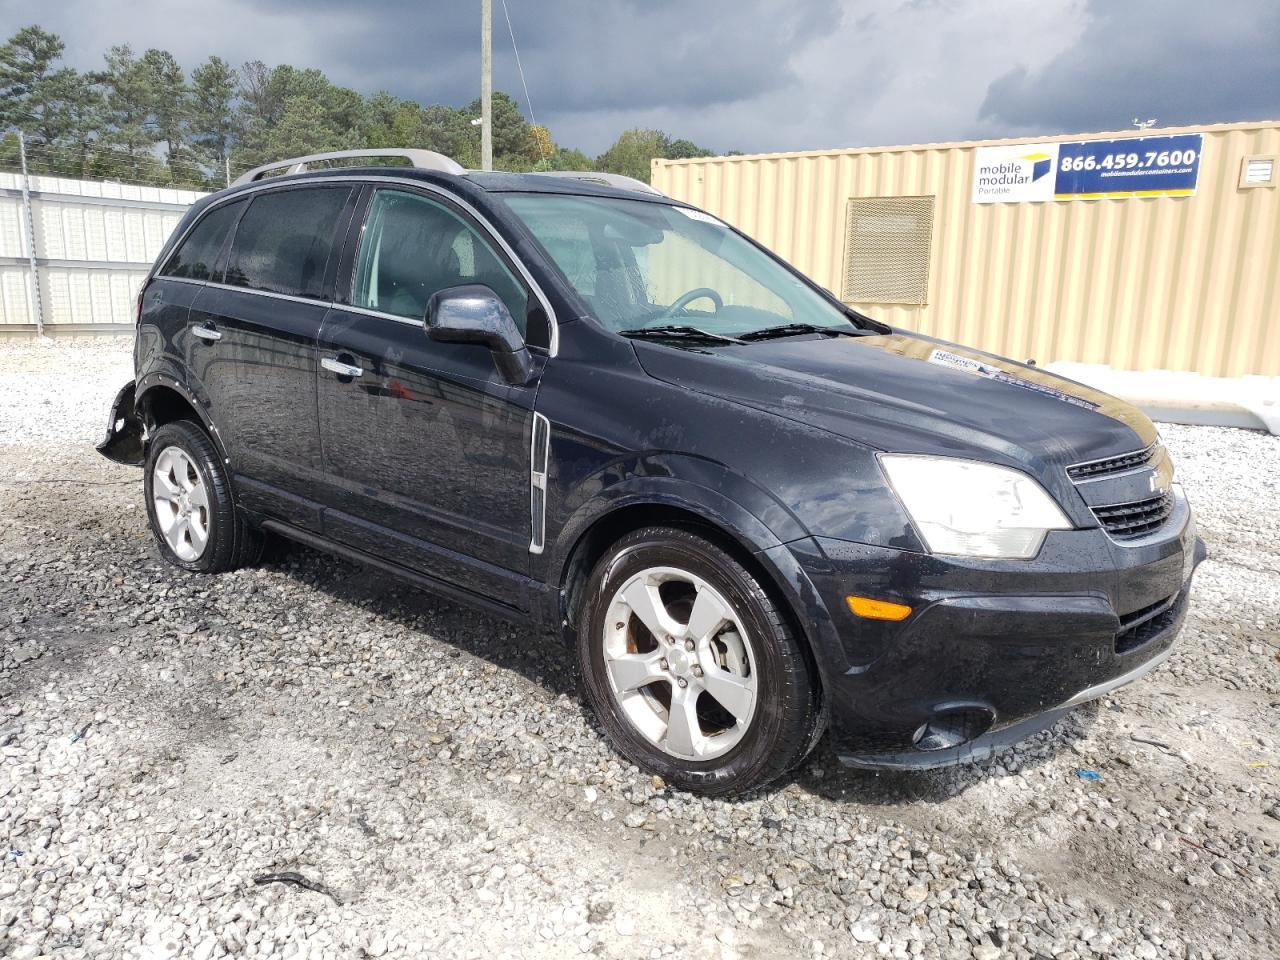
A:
x: 707, y: 615
x: 632, y: 671
x: 684, y: 736
x: 198, y: 496
x: 735, y: 694
x: 198, y: 531
x: 166, y: 487
x: 645, y: 603
x: 166, y: 514
x: 177, y: 534
x: 185, y: 470
x: 164, y: 474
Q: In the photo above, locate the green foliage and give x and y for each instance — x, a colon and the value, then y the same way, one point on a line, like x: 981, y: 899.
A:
x: 392, y: 122
x: 571, y: 158
x: 142, y: 119
x: 685, y: 150
x: 286, y: 112
x: 633, y: 152
x: 58, y: 108
x: 515, y: 147
x: 26, y: 62
x: 129, y: 98
x: 212, y: 121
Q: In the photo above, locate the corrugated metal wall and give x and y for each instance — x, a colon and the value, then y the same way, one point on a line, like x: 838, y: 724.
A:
x: 94, y: 242
x: 1187, y: 283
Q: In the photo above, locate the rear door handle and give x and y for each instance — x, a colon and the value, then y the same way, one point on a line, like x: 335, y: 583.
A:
x: 206, y: 332
x: 334, y: 365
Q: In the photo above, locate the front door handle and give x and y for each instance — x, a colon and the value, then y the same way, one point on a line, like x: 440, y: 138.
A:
x: 206, y: 332
x: 334, y: 365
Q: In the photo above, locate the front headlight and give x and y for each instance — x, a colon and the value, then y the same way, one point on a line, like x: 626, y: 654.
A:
x: 974, y: 509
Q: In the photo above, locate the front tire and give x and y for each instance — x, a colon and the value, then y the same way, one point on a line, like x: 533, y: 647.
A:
x: 691, y: 667
x: 190, y: 504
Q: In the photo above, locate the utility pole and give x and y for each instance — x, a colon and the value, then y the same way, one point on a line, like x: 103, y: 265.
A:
x: 31, y: 236
x: 486, y: 84
x: 226, y: 167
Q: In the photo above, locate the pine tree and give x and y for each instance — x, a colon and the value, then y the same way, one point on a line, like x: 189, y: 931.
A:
x: 213, y: 120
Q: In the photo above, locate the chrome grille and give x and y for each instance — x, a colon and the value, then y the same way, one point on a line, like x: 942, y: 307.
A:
x: 1112, y: 465
x: 1128, y: 521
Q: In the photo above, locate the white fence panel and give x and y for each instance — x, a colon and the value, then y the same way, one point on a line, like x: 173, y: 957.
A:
x: 12, y: 241
x: 15, y: 296
x: 94, y: 242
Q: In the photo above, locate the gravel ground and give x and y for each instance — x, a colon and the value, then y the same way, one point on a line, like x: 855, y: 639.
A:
x: 432, y: 774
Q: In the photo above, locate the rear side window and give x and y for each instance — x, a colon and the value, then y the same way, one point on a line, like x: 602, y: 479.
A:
x: 197, y: 256
x: 283, y: 241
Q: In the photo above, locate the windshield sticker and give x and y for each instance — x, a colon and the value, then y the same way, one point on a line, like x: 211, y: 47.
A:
x: 977, y: 368
x: 700, y: 216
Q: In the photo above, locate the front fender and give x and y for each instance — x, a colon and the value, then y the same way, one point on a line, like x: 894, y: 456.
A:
x: 757, y: 520
x: 773, y: 549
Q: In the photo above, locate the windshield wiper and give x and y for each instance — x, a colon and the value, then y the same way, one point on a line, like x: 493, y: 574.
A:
x: 797, y: 329
x: 669, y: 330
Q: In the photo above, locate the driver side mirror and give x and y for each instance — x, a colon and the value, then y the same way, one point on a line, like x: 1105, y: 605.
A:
x: 475, y: 314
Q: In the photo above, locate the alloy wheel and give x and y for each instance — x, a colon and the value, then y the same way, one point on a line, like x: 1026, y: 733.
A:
x: 181, y: 503
x: 680, y: 663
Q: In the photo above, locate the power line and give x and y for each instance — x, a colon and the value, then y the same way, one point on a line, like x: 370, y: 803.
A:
x: 119, y: 170
x: 520, y: 67
x: 97, y: 157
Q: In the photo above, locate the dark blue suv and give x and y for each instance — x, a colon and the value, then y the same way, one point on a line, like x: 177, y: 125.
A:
x: 755, y: 512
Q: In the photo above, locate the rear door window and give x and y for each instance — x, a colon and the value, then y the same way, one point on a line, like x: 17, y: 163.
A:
x: 197, y: 256
x: 412, y: 247
x: 283, y: 241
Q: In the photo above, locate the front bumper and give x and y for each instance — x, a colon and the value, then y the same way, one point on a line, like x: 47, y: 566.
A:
x: 994, y: 650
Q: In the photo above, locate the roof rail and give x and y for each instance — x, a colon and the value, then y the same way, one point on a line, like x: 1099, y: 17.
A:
x: 608, y: 179
x: 419, y: 159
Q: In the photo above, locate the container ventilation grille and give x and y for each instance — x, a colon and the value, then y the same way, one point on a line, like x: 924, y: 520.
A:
x: 887, y: 243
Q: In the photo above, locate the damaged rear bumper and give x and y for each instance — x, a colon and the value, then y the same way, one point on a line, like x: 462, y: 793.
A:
x: 126, y: 432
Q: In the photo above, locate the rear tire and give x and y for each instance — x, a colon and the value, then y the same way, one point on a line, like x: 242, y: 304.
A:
x: 693, y: 670
x: 190, y: 503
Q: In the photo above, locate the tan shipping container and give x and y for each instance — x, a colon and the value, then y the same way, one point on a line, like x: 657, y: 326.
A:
x: 1179, y: 283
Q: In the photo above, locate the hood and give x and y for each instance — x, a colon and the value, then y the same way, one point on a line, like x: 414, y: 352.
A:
x: 910, y: 394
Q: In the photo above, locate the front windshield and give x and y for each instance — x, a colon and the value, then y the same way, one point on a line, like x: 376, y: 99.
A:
x: 639, y: 264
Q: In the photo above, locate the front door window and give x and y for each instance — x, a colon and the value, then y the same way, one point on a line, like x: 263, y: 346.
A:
x: 413, y: 247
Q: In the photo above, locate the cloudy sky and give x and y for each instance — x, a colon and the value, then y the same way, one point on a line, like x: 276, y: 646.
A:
x: 752, y: 75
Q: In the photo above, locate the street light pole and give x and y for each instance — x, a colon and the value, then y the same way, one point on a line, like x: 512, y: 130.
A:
x: 486, y: 84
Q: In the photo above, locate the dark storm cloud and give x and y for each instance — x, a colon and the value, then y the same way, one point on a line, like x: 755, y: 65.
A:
x: 581, y: 58
x: 606, y: 55
x: 1182, y: 62
x: 753, y: 75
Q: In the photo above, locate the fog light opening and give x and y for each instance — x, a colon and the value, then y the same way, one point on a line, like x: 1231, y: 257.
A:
x: 952, y: 728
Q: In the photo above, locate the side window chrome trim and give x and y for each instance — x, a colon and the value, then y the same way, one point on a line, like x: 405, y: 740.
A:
x: 492, y: 234
x: 268, y: 293
x: 348, y: 308
x: 539, y: 448
x: 290, y: 297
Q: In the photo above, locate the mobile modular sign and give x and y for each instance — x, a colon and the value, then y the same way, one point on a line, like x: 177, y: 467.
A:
x: 1088, y: 169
